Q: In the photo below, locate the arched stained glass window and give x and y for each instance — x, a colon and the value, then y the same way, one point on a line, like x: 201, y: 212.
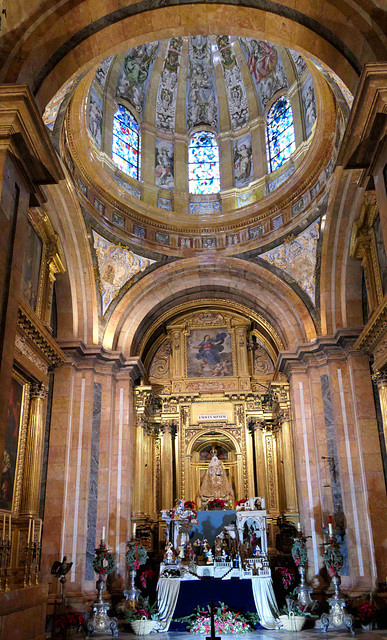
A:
x: 126, y: 147
x: 203, y: 163
x: 280, y: 133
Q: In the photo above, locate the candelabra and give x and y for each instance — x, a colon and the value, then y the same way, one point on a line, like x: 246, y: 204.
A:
x: 31, y: 567
x: 103, y: 564
x: 337, y: 616
x: 5, y: 553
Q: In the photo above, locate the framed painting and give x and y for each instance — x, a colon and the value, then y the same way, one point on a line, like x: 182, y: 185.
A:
x: 14, y: 445
x: 209, y: 353
x: 31, y: 267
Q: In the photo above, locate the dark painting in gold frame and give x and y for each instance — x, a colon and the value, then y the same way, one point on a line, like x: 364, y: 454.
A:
x: 31, y: 267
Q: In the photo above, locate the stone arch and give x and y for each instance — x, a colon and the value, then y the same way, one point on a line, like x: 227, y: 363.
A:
x: 65, y: 49
x: 233, y: 278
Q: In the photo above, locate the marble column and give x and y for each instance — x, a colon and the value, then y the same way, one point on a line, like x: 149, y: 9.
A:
x: 34, y: 451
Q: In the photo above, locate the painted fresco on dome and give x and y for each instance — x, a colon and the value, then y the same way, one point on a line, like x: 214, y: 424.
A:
x: 103, y: 70
x: 309, y: 105
x: 135, y: 73
x: 12, y: 428
x: 167, y: 90
x: 164, y: 164
x: 94, y: 117
x: 243, y: 161
x: 299, y: 62
x: 298, y: 258
x: 202, y: 97
x: 236, y: 92
x: 209, y: 353
x: 117, y: 265
x: 266, y: 68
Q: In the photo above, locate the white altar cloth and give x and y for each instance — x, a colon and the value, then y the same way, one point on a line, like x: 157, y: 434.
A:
x: 265, y: 602
x: 263, y: 593
x: 167, y: 595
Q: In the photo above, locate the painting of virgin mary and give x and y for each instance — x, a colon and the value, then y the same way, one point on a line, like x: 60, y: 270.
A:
x: 209, y: 354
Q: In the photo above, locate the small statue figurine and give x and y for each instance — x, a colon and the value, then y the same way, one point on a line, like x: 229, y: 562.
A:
x: 189, y: 552
x: 205, y: 546
x: 198, y: 547
x: 169, y: 553
x: 256, y: 551
x: 181, y: 552
x: 210, y: 557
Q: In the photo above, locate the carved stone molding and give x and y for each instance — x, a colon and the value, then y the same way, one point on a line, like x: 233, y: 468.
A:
x: 103, y: 360
x: 33, y: 331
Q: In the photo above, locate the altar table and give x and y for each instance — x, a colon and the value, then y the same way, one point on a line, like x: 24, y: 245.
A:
x: 177, y: 598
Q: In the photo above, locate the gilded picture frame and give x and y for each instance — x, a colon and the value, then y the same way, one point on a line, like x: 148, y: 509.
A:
x: 15, y: 443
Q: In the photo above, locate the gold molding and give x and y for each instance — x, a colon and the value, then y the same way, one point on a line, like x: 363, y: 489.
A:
x: 21, y: 446
x: 31, y: 327
x: 213, y: 304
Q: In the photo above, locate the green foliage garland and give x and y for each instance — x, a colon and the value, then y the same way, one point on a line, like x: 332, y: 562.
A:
x: 104, y: 562
x: 299, y: 552
x: 136, y: 554
x: 333, y: 557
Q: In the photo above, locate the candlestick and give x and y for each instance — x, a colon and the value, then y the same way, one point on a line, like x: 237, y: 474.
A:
x: 33, y: 531
x: 134, y: 530
x: 299, y: 526
x: 3, y: 526
x: 9, y: 528
x: 330, y: 527
x: 103, y: 533
x: 29, y: 532
x: 40, y: 532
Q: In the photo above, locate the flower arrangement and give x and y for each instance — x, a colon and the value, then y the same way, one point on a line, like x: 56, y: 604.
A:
x: 189, y: 504
x: 225, y: 620
x: 104, y: 562
x: 184, y: 509
x: 299, y: 552
x: 143, y: 610
x: 287, y: 576
x: 366, y: 612
x: 333, y: 557
x: 70, y: 619
x: 136, y: 554
x: 216, y: 503
x: 303, y: 610
x: 147, y: 576
x: 239, y: 502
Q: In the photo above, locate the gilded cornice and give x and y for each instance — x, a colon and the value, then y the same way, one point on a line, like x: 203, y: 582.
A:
x: 31, y: 328
x: 372, y: 339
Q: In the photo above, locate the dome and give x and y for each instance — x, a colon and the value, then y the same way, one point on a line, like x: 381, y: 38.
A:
x: 204, y: 142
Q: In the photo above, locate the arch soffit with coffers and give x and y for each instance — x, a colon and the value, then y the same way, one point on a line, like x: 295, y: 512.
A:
x: 255, y: 286
x: 191, y: 444
x: 61, y: 54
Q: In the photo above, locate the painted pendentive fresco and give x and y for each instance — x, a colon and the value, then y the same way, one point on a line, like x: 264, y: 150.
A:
x: 202, y: 96
x: 95, y: 115
x: 299, y: 62
x: 164, y: 164
x: 11, y: 443
x: 135, y: 73
x: 209, y: 353
x: 117, y: 265
x: 167, y: 91
x: 236, y: 92
x: 298, y: 258
x: 31, y: 267
x: 309, y: 105
x: 266, y: 68
x: 52, y: 109
x: 243, y: 161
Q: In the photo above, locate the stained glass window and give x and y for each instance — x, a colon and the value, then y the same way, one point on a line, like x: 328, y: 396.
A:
x: 280, y: 133
x: 203, y: 163
x: 126, y: 147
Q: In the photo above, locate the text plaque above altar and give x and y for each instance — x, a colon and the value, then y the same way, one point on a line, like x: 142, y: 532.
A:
x: 211, y: 417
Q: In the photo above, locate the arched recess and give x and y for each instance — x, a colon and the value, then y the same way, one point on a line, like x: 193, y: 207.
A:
x: 71, y: 40
x: 195, y: 278
x: 76, y: 294
x: 341, y: 277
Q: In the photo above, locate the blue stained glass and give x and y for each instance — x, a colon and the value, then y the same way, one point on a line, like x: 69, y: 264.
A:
x: 203, y: 163
x: 126, y: 146
x: 280, y: 133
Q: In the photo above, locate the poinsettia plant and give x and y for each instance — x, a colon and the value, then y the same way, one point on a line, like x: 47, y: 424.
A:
x: 189, y: 504
x: 70, y: 619
x: 143, y: 610
x: 239, y: 502
x: 147, y: 576
x: 366, y: 612
x: 216, y: 503
x: 225, y: 620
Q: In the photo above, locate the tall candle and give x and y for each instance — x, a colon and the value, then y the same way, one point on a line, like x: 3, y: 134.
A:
x: 299, y: 526
x: 330, y: 527
x: 29, y: 532
x: 33, y: 531
x: 103, y: 533
x: 40, y: 532
x: 134, y: 530
x: 3, y: 526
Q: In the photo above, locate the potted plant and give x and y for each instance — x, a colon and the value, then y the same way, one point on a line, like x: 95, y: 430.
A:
x: 217, y: 504
x: 143, y: 618
x: 293, y: 616
x: 366, y: 613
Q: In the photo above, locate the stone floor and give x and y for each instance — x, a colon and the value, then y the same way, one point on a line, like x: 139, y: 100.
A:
x: 263, y: 634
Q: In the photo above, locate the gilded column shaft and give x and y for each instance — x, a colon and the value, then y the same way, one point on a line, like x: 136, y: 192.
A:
x: 166, y: 469
x: 382, y: 387
x: 34, y: 451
